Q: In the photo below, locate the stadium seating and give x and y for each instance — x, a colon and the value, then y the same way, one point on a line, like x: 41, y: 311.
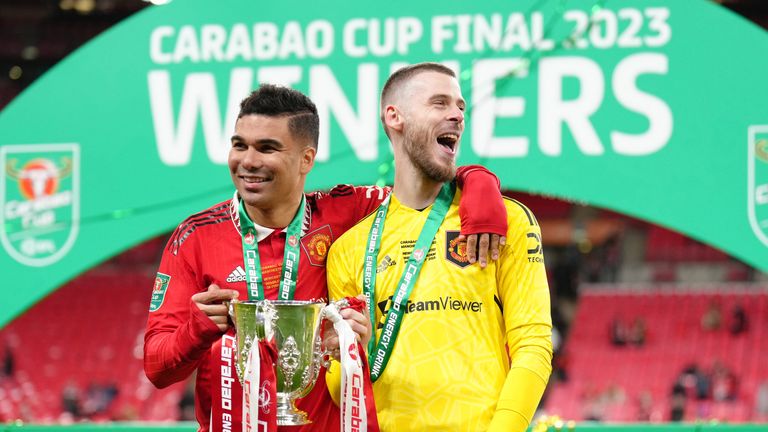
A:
x: 88, y: 332
x: 669, y: 246
x: 606, y: 381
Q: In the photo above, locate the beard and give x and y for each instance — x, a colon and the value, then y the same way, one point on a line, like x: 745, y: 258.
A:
x: 418, y: 148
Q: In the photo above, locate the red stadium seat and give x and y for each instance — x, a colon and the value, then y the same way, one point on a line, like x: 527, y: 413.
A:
x: 88, y: 332
x: 674, y: 339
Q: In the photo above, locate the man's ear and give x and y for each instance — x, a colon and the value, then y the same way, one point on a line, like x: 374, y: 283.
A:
x: 393, y: 118
x: 307, y: 159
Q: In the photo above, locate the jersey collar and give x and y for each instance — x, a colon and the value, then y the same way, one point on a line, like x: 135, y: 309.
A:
x: 261, y: 231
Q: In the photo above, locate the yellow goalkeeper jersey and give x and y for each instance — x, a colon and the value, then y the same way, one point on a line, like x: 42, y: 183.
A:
x: 449, y: 368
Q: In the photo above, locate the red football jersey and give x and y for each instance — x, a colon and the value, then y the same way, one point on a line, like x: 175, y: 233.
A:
x: 206, y: 249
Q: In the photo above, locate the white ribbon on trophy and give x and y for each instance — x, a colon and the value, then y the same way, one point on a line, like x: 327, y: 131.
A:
x: 353, y: 411
x: 251, y: 389
x: 252, y: 379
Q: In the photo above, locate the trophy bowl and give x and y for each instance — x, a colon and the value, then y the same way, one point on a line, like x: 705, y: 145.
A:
x: 295, y: 327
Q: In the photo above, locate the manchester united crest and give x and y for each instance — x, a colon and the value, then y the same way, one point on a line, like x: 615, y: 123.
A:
x: 316, y: 245
x: 264, y: 398
x: 455, y: 250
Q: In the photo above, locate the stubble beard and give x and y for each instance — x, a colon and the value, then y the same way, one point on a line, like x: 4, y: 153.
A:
x: 418, y: 148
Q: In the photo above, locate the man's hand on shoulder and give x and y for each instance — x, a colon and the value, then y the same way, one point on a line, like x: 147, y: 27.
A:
x: 482, y: 212
x: 481, y: 246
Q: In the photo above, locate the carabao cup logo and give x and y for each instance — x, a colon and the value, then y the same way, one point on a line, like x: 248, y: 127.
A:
x: 757, y: 185
x: 40, y: 187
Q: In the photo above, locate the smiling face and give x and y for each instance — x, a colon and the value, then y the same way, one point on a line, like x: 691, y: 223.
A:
x: 431, y: 109
x: 268, y: 164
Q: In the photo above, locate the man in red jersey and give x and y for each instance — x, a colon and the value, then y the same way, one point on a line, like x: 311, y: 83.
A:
x: 273, y: 149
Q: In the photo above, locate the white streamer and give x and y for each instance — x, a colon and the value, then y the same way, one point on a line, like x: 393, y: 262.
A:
x: 353, y: 414
x: 251, y: 388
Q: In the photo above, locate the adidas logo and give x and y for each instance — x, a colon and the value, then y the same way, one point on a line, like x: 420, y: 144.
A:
x: 237, y: 275
x: 386, y: 263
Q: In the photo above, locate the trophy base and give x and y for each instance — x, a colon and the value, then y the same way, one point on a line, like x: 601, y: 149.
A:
x: 289, y: 415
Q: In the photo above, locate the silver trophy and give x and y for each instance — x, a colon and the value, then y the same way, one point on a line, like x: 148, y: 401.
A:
x: 295, y: 326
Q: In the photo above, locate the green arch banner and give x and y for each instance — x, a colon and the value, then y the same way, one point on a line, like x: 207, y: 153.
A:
x: 654, y: 108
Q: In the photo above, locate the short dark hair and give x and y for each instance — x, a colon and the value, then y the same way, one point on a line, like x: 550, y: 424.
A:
x: 277, y: 101
x: 402, y: 75
x: 405, y: 73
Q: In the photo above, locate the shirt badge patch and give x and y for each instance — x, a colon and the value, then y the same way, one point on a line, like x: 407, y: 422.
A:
x: 158, y: 291
x: 316, y: 245
x: 456, y: 251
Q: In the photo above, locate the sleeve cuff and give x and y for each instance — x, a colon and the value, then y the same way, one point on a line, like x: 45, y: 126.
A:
x: 201, y: 335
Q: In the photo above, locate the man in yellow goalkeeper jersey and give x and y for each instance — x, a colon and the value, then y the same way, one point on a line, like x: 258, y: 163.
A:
x: 457, y: 346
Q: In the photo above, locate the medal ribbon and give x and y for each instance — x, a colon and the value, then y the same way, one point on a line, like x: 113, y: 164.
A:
x: 290, y: 270
x: 379, y: 352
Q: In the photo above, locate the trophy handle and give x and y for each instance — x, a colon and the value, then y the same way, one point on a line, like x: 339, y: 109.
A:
x: 250, y: 329
x: 331, y: 313
x: 322, y: 357
x: 242, y: 346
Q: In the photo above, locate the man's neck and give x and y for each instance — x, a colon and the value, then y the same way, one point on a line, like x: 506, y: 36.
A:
x: 412, y: 187
x: 276, y: 217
